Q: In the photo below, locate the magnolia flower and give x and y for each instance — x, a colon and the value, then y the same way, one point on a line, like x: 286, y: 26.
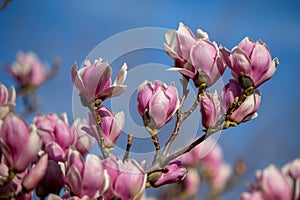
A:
x: 86, y: 178
x: 157, y: 103
x: 210, y: 107
x: 111, y: 124
x: 178, y: 45
x: 93, y: 81
x: 174, y: 172
x: 231, y: 92
x: 247, y: 110
x: 271, y: 183
x: 18, y: 143
x: 83, y: 142
x: 56, y: 135
x: 196, y: 58
x: 28, y: 70
x: 7, y: 100
x: 207, y: 63
x: 127, y: 179
x: 253, y: 59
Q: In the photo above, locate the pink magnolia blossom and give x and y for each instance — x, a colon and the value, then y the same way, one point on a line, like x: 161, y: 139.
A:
x: 207, y: 62
x: 35, y: 174
x: 157, y: 103
x: 174, y: 172
x: 28, y: 70
x: 253, y: 59
x: 112, y: 126
x: 19, y: 144
x: 247, y: 110
x: 196, y: 58
x: 86, y: 178
x: 127, y: 179
x: 179, y: 43
x: 93, y: 81
x: 231, y: 91
x: 271, y: 183
x: 7, y: 100
x: 211, y: 108
x: 56, y: 135
x: 83, y: 142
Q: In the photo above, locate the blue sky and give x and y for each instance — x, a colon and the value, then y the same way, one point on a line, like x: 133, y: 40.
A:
x: 70, y: 29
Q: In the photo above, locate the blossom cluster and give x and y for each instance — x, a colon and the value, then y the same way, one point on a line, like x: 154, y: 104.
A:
x: 52, y: 157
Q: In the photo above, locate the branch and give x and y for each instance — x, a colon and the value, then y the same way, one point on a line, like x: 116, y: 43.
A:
x: 129, y: 143
x: 94, y: 109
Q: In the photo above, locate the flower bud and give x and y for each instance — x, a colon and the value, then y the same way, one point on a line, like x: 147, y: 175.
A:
x: 111, y: 125
x: 83, y: 142
x: 253, y: 59
x: 274, y: 184
x: 128, y: 179
x: 56, y: 135
x: 157, y: 103
x: 210, y: 107
x: 93, y: 81
x: 18, y: 145
x: 87, y: 178
x: 206, y: 59
x: 174, y: 172
x: 231, y: 92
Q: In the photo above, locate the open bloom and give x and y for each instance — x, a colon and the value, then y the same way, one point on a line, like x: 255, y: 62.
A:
x: 253, y: 59
x: 93, y: 81
x: 7, y: 100
x: 56, y: 135
x: 178, y: 45
x: 28, y: 70
x: 19, y: 144
x: 86, y: 178
x: 195, y: 57
x: 157, y: 103
x: 127, y: 179
x: 211, y: 108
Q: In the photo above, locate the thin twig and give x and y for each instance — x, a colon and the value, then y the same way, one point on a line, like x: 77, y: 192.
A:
x: 156, y: 144
x: 94, y: 109
x: 55, y: 68
x: 128, y: 146
x: 179, y: 120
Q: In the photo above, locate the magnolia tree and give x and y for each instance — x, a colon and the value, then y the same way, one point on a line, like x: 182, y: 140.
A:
x: 51, y: 159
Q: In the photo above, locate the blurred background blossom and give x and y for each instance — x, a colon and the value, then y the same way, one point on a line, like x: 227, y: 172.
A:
x: 70, y: 29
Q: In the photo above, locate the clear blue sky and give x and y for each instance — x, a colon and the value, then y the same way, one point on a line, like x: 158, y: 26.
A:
x: 71, y: 28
